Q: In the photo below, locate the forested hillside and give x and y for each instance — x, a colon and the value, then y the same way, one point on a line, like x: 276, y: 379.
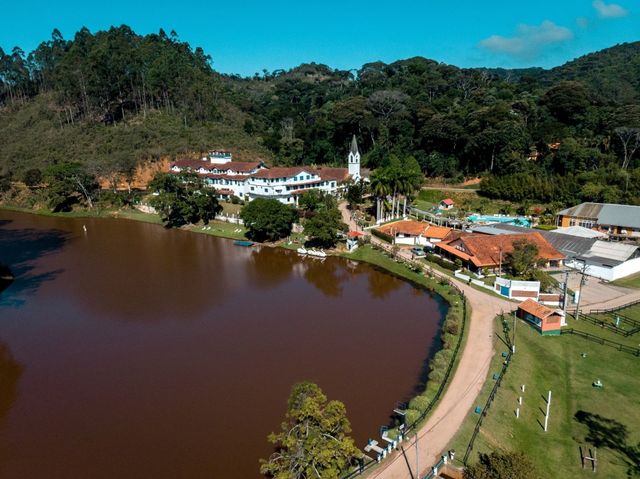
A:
x: 112, y: 99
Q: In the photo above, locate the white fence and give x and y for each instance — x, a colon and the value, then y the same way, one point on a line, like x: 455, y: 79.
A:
x: 468, y: 279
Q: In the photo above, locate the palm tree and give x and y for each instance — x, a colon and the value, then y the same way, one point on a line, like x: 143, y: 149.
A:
x: 380, y: 188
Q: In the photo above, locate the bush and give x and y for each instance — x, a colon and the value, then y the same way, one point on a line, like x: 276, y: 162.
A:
x: 452, y: 326
x: 32, y: 177
x: 419, y: 403
x: 382, y: 236
x: 432, y: 258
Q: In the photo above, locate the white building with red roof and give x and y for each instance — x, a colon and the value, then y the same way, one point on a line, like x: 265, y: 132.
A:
x: 249, y: 180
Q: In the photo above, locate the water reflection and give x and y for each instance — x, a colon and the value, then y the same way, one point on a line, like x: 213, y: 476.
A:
x: 10, y: 372
x: 382, y: 285
x: 328, y: 276
x: 21, y: 249
x: 267, y: 267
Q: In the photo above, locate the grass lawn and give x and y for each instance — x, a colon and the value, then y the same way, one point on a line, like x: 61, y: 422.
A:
x: 580, y: 414
x: 219, y: 228
x: 632, y: 281
x: 230, y: 208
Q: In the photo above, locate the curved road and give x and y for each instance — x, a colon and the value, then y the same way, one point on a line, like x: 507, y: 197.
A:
x: 468, y: 379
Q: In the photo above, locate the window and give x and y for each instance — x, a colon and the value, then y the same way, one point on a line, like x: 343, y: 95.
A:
x: 572, y: 222
x: 308, y: 177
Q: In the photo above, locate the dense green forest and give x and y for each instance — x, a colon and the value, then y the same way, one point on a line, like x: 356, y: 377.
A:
x: 114, y: 98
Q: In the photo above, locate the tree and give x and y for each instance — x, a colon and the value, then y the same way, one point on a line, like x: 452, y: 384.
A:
x: 183, y: 199
x: 511, y: 465
x: 323, y: 227
x: 268, y: 219
x: 355, y: 193
x: 523, y: 259
x: 313, y: 441
x: 32, y: 177
x: 380, y: 189
x: 67, y: 184
x: 630, y: 139
x: 310, y: 200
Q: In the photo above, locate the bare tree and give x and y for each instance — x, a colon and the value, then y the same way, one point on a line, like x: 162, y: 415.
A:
x: 630, y: 139
x: 387, y: 103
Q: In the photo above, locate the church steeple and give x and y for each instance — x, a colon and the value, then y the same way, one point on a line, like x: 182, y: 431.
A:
x: 354, y: 145
x: 354, y: 159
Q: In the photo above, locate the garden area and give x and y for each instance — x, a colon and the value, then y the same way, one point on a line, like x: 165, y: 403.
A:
x: 605, y: 418
x: 469, y: 201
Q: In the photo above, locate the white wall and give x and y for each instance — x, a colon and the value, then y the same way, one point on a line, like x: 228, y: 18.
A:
x: 609, y: 274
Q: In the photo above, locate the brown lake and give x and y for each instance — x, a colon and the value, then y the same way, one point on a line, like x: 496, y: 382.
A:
x: 131, y: 351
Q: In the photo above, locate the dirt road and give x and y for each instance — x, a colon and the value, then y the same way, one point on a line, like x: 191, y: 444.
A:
x: 449, y: 414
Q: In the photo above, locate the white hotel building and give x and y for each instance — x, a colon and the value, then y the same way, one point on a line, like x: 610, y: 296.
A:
x: 253, y: 179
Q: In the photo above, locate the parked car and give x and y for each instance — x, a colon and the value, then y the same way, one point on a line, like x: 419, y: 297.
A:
x: 417, y: 251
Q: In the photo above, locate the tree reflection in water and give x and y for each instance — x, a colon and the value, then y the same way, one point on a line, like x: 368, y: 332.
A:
x: 10, y: 372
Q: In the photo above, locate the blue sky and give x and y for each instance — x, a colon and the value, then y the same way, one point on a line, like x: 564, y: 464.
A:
x: 246, y: 36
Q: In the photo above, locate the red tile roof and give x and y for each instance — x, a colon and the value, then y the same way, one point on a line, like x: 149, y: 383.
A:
x: 240, y: 166
x: 332, y: 174
x: 282, y: 172
x: 484, y: 250
x: 538, y: 310
x: 415, y: 228
x: 447, y: 201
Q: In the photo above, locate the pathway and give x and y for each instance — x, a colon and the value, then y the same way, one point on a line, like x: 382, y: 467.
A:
x: 346, y: 216
x: 460, y: 396
x: 447, y: 418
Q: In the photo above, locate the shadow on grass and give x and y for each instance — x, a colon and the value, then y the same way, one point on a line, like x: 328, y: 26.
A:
x: 609, y: 433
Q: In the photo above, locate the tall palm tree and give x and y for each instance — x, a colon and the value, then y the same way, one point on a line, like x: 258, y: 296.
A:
x: 380, y: 188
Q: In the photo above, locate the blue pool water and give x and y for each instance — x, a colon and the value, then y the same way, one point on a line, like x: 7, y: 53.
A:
x: 514, y: 220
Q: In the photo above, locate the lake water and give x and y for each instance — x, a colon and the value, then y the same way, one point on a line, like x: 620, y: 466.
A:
x: 131, y: 351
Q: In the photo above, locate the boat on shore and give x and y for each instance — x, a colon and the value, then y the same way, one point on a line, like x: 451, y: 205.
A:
x: 244, y: 243
x: 302, y: 251
x: 317, y: 252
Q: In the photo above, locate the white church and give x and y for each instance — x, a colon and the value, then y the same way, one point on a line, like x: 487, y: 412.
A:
x: 249, y: 180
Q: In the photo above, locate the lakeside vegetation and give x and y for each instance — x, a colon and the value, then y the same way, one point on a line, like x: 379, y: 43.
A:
x: 453, y: 331
x: 113, y: 99
x: 581, y: 414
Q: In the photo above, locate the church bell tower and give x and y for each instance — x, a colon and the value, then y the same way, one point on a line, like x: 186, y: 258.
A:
x: 354, y: 160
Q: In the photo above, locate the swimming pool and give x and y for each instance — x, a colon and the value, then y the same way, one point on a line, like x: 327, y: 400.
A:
x: 513, y: 220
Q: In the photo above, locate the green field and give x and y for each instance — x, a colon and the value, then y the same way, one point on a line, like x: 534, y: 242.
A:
x: 607, y: 418
x: 632, y: 281
x: 632, y: 312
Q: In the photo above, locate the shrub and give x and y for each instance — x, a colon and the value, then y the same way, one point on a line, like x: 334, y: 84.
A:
x: 452, y: 327
x: 432, y: 258
x: 419, y: 403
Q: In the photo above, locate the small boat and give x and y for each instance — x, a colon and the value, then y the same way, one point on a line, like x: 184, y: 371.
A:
x: 318, y: 253
x: 302, y: 251
x: 244, y: 243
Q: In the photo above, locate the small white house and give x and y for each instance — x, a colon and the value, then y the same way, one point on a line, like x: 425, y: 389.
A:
x: 446, y: 204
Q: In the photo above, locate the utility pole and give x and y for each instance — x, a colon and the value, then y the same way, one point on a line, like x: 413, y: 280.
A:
x: 565, y: 293
x: 582, y: 281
